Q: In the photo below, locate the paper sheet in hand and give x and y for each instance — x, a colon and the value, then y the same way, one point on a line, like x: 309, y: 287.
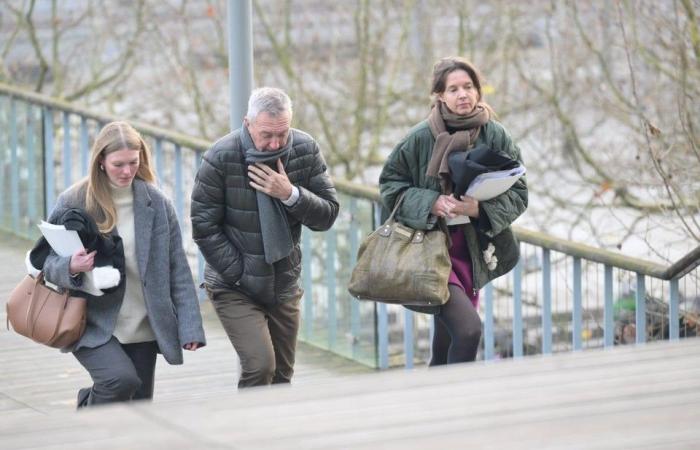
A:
x: 492, y: 184
x: 65, y: 243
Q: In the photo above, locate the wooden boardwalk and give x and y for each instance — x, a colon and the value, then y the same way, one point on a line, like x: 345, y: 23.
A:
x: 631, y: 397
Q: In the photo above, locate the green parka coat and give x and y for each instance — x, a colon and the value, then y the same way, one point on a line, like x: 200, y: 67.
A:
x: 405, y: 171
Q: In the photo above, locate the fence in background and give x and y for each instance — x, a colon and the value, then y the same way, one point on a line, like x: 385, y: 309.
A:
x: 562, y: 296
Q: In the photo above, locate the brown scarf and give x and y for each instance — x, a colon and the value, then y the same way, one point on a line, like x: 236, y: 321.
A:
x: 461, y: 140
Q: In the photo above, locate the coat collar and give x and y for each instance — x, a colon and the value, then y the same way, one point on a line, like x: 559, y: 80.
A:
x: 143, y: 223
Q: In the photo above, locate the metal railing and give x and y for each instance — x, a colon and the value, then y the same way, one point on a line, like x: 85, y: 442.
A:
x: 562, y: 296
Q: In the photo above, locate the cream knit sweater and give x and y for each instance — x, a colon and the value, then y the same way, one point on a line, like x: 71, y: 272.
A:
x: 132, y: 323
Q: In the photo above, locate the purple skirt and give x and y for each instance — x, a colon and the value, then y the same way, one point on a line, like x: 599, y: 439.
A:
x: 461, y: 274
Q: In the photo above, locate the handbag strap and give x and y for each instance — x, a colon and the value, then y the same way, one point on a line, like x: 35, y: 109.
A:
x: 441, y: 222
x: 396, y: 207
x: 31, y: 324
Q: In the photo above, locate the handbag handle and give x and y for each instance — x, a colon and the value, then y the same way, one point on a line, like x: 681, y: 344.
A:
x: 441, y: 222
x: 396, y: 207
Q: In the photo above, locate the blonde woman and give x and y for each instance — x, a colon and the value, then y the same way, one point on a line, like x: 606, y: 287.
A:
x: 154, y: 309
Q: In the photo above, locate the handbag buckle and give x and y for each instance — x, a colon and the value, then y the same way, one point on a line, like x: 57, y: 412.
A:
x: 385, y: 231
x: 418, y: 237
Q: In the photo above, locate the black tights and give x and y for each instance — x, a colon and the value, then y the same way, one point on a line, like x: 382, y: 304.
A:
x: 457, y: 330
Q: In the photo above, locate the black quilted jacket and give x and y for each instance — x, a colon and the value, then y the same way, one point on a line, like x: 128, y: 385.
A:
x: 225, y: 222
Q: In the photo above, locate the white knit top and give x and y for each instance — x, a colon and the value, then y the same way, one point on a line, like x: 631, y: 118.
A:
x: 132, y: 323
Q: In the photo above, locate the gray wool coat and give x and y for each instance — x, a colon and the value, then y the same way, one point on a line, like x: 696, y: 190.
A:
x: 168, y: 288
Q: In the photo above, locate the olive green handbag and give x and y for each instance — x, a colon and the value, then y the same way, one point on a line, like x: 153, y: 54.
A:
x: 397, y: 264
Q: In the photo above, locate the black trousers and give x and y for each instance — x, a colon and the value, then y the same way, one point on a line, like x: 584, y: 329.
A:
x: 457, y: 330
x: 120, y: 372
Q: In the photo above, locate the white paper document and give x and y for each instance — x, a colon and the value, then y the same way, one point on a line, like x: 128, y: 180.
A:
x: 489, y: 185
x: 492, y: 184
x: 65, y: 243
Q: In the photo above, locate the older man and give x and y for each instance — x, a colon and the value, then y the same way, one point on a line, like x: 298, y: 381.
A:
x: 255, y: 188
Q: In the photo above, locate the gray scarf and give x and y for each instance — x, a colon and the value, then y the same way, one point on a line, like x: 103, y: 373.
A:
x: 276, y: 235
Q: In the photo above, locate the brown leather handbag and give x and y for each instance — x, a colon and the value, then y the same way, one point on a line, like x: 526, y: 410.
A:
x: 397, y: 264
x: 44, y: 315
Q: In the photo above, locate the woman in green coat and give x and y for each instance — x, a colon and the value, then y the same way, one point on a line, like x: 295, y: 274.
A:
x: 459, y: 120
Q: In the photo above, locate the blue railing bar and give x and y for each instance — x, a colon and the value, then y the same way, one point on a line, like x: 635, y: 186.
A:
x: 159, y: 160
x: 3, y: 114
x: 200, y: 258
x: 177, y: 189
x: 489, y: 341
x: 577, y: 312
x: 330, y: 286
x: 431, y: 334
x: 382, y: 335
x: 408, y: 337
x: 640, y: 310
x: 608, y: 326
x: 518, y: 310
x: 306, y: 260
x: 67, y: 153
x: 31, y: 170
x: 355, y: 324
x: 546, y: 302
x: 380, y: 309
x: 673, y: 319
x: 14, y: 166
x: 202, y: 293
x: 84, y: 146
x: 49, y: 188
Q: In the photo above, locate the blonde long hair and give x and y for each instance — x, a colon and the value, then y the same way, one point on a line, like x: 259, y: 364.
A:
x: 113, y: 137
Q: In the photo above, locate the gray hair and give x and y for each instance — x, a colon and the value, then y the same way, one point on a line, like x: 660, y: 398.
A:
x: 270, y: 100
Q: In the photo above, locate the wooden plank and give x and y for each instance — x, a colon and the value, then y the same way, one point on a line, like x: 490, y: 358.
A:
x: 459, y: 409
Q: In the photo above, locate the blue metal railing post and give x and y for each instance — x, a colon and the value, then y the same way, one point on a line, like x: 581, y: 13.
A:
x: 159, y: 161
x: 84, y: 146
x: 673, y: 319
x: 200, y: 258
x: 3, y: 170
x: 331, y: 287
x: 608, y: 327
x: 382, y: 335
x: 355, y: 324
x: 577, y: 313
x: 49, y: 186
x: 518, y: 310
x: 489, y: 341
x: 67, y: 153
x: 381, y: 313
x: 32, y: 178
x: 408, y: 337
x: 14, y: 166
x: 177, y: 189
x: 307, y: 283
x: 546, y: 302
x: 640, y: 309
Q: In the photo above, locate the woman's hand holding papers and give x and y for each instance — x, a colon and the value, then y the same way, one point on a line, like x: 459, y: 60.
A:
x: 82, y: 261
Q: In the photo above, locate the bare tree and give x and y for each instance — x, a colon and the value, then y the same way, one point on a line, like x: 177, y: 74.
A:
x: 601, y: 97
x: 64, y: 37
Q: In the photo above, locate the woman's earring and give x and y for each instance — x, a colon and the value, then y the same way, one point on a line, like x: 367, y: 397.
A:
x: 102, y: 168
